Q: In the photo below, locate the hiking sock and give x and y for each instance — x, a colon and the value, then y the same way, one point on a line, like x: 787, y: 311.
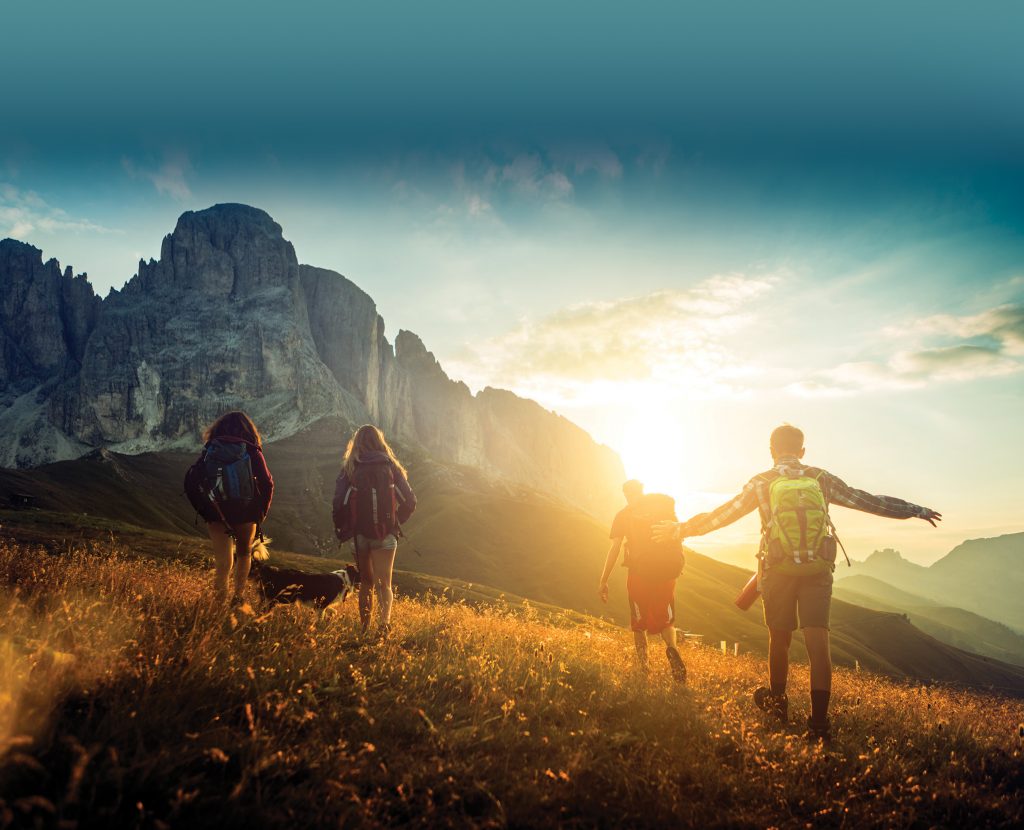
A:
x: 819, y: 705
x: 778, y: 674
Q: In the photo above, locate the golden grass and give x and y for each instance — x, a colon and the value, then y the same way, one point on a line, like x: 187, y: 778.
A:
x: 131, y: 701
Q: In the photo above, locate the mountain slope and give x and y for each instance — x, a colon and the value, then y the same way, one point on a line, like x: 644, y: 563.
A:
x: 953, y: 626
x: 145, y: 705
x: 472, y: 530
x: 227, y: 318
x: 985, y: 576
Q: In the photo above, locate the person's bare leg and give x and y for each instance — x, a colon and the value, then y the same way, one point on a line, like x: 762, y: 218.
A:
x: 675, y: 659
x: 223, y: 554
x: 383, y: 566
x: 245, y: 535
x: 364, y: 563
x: 640, y: 644
x: 778, y: 659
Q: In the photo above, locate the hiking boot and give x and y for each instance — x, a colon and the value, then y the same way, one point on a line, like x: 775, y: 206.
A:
x: 819, y: 731
x: 775, y: 706
x: 677, y: 665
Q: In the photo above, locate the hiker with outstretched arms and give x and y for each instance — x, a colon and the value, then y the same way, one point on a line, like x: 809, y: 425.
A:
x: 653, y: 570
x: 795, y: 561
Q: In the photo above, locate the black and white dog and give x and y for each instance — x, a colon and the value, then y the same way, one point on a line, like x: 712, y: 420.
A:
x: 291, y: 585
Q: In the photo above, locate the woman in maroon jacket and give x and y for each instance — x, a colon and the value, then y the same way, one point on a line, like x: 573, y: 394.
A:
x: 232, y: 524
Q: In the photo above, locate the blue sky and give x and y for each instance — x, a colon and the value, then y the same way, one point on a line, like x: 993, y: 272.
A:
x: 704, y: 219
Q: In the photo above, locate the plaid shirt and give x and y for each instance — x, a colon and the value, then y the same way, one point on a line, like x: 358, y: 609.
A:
x: 836, y: 491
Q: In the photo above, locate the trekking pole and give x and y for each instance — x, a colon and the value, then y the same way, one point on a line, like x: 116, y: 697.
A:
x: 842, y: 547
x: 404, y: 535
x: 220, y: 513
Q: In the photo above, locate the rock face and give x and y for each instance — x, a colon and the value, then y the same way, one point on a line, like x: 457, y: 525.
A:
x: 228, y: 318
x: 45, y: 319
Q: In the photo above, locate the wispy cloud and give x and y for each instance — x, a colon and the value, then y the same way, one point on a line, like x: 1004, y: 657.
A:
x: 963, y: 348
x: 600, y: 159
x: 169, y: 178
x: 25, y: 212
x: 528, y: 173
x: 673, y: 338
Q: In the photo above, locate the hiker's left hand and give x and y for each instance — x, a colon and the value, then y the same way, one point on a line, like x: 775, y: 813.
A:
x: 666, y: 532
x: 930, y: 516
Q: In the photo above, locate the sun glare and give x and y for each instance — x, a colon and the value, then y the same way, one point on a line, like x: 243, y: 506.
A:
x: 656, y: 449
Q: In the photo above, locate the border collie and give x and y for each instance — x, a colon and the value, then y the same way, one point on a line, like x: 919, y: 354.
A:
x: 291, y: 585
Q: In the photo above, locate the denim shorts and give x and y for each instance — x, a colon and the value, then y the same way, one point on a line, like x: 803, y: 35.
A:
x: 364, y: 544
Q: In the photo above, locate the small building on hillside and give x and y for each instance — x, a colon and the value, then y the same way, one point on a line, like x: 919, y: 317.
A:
x: 21, y: 501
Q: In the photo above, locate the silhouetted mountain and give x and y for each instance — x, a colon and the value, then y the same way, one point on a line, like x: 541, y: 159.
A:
x: 985, y: 576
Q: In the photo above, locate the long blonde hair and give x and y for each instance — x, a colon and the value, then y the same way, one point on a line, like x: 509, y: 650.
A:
x: 367, y: 439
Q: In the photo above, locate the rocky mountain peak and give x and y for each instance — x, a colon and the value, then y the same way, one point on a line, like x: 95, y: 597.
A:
x: 885, y: 556
x: 46, y: 316
x: 228, y: 250
x: 227, y: 319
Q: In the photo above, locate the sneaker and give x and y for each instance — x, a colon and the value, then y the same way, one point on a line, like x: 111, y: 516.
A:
x: 677, y: 664
x: 819, y: 731
x: 776, y: 706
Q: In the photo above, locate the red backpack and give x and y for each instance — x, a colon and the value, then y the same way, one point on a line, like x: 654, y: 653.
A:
x: 650, y: 559
x: 372, y: 501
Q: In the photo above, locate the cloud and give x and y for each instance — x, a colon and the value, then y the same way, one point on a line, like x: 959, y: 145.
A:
x: 600, y: 159
x: 528, y: 174
x: 25, y: 212
x: 672, y: 338
x: 168, y: 178
x: 1003, y: 325
x: 985, y: 345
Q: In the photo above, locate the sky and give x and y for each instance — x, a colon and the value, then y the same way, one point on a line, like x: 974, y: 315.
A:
x: 678, y: 225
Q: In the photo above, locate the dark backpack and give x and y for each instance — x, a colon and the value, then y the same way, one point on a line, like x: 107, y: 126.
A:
x: 372, y: 501
x: 223, y: 471
x: 647, y: 558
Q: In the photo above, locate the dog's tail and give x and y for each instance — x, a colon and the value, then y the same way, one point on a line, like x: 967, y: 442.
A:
x: 260, y: 552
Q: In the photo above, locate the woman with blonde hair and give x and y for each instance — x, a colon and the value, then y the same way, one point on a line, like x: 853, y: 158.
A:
x: 372, y: 498
x: 231, y: 487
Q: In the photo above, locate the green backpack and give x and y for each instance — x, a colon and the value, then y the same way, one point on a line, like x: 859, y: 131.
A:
x: 798, y: 537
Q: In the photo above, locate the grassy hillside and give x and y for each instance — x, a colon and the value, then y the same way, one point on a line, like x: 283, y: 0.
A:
x: 882, y: 642
x: 130, y: 701
x: 481, y: 533
x: 953, y: 626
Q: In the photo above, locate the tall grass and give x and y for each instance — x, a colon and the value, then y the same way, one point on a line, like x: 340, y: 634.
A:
x: 130, y: 700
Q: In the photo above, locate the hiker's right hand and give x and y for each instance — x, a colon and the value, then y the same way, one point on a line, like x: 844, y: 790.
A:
x: 666, y: 531
x: 930, y: 516
x: 602, y: 591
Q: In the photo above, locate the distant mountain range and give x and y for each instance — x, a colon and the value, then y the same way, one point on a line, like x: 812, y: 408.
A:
x: 228, y: 318
x: 985, y: 576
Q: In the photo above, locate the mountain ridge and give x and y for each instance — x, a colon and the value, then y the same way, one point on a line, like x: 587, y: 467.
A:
x: 227, y: 317
x: 983, y: 576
